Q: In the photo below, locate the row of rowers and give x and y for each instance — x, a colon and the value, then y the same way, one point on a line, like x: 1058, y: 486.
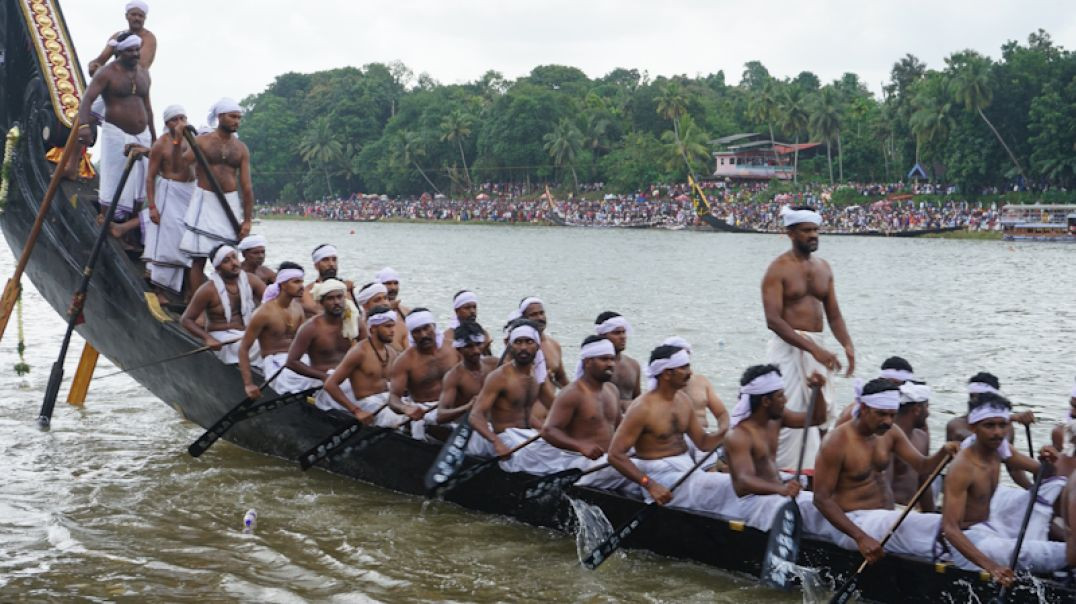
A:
x: 876, y: 456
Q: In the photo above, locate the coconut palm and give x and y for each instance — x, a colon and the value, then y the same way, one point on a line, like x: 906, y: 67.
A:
x: 455, y: 128
x: 825, y: 124
x: 792, y: 112
x: 563, y: 145
x: 930, y: 120
x: 690, y: 147
x: 411, y: 148
x: 672, y: 105
x: 595, y: 135
x: 320, y: 147
x: 764, y: 106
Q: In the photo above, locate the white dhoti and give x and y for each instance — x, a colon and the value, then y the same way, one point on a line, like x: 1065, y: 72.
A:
x: 709, y: 492
x: 325, y: 402
x: 418, y: 428
x: 113, y: 161
x: 607, y: 479
x: 916, y: 536
x: 206, y: 223
x: 229, y: 353
x: 478, y: 446
x: 287, y: 381
x: 167, y: 262
x: 758, y: 511
x: 542, y: 458
x: 376, y: 403
x: 796, y: 366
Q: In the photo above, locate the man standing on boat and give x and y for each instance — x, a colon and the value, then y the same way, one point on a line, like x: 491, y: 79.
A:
x: 228, y: 300
x: 209, y: 223
x: 169, y: 185
x: 798, y: 292
x: 253, y: 248
x: 325, y: 339
x: 135, y: 12
x: 533, y: 309
x: 360, y: 381
x: 271, y: 330
x: 418, y: 372
x: 463, y: 382
x: 626, y: 376
x: 124, y: 85
x: 326, y: 263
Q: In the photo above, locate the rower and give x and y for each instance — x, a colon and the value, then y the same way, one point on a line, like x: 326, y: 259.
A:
x: 271, y: 330
x: 896, y: 369
x: 463, y: 382
x: 912, y: 420
x: 465, y: 308
x: 368, y: 297
x: 751, y: 444
x: 958, y: 429
x: 253, y: 248
x: 324, y: 339
x: 360, y: 381
x: 850, y: 491
x: 979, y: 537
x: 702, y: 394
x: 798, y: 292
x: 655, y: 425
x: 1057, y: 435
x: 391, y: 280
x: 228, y: 300
x: 169, y: 186
x: 533, y: 310
x: 417, y: 374
x: 503, y: 415
x: 626, y: 376
x: 325, y: 263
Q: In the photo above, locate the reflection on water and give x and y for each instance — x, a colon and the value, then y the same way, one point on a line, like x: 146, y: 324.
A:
x: 109, y: 506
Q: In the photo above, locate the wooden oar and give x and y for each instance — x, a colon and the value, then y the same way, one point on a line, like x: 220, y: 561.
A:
x: 327, y: 447
x: 783, y: 546
x: 169, y: 359
x: 13, y: 286
x: 558, y: 481
x: 475, y: 470
x: 218, y: 428
x: 188, y: 133
x: 846, y: 591
x: 1030, y: 447
x: 253, y: 410
x: 44, y: 419
x: 1003, y: 593
x: 612, y: 542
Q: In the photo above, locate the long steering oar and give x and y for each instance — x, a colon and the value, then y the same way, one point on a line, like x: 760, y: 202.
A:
x: 169, y: 359
x: 846, y: 591
x: 612, y: 542
x: 462, y: 477
x: 783, y: 546
x: 13, y: 286
x: 221, y: 425
x: 556, y: 482
x: 188, y: 133
x: 328, y: 447
x: 1003, y: 593
x: 79, y: 299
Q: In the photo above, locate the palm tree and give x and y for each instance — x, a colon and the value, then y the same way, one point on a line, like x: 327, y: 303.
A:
x: 672, y: 105
x: 563, y: 145
x: 969, y: 74
x: 794, y: 118
x: 320, y: 146
x: 930, y: 120
x: 825, y: 124
x: 455, y: 128
x: 595, y: 135
x: 411, y: 148
x: 764, y: 106
x: 691, y: 146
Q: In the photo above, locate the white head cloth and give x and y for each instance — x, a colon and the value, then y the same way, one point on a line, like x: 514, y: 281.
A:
x: 389, y: 316
x: 273, y: 289
x: 477, y: 338
x: 984, y: 412
x: 659, y: 366
x: 982, y: 387
x: 365, y: 295
x: 224, y: 105
x: 221, y: 254
x: 323, y: 252
x: 763, y: 384
x: 252, y: 241
x: 172, y: 111
x: 601, y: 348
x: 387, y: 274
x: 246, y: 293
x: 900, y: 375
x: 350, y: 329
x: 139, y: 4
x: 464, y: 298
x: 527, y: 302
x: 526, y: 331
x: 326, y: 287
x: 420, y: 319
x: 131, y: 41
x: 678, y: 342
x: 911, y: 392
x: 612, y: 324
x: 793, y: 217
x: 886, y: 400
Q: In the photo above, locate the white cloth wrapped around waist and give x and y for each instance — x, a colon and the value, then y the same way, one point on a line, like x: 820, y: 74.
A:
x: 478, y: 446
x: 207, y: 224
x: 916, y: 536
x: 709, y: 492
x: 326, y: 402
x: 758, y: 511
x: 796, y: 366
x: 287, y: 381
x: 540, y: 457
x: 997, y: 542
x: 113, y: 140
x: 229, y: 353
x: 418, y: 428
x: 172, y: 199
x: 385, y: 417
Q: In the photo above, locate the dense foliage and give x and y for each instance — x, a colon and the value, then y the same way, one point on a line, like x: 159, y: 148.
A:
x: 973, y: 121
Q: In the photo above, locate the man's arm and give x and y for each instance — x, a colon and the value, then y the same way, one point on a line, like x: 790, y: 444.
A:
x: 149, y: 49
x: 836, y: 323
x: 921, y: 441
x: 957, y: 485
x: 705, y: 441
x: 398, y: 382
x: 447, y: 410
x: 560, y: 378
x: 559, y: 417
x: 637, y: 389
x: 540, y: 408
x: 717, y: 408
x: 772, y: 304
x: 246, y: 191
x: 250, y: 335
x: 348, y: 365
x: 299, y: 345
x: 742, y: 468
x: 479, y: 415
x: 156, y: 155
x: 827, y: 468
x: 85, y: 118
x: 624, y: 439
x: 257, y: 287
x: 195, y: 309
x: 921, y: 464
x: 100, y: 59
x: 149, y: 113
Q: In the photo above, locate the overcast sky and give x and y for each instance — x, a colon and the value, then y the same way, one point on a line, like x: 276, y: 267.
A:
x: 210, y: 49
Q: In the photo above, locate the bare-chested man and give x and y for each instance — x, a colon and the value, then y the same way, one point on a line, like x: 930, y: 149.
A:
x: 228, y: 301
x: 208, y: 223
x: 958, y: 429
x: 463, y: 382
x: 124, y: 85
x: 627, y: 375
x: 1057, y: 434
x: 980, y: 538
x: 391, y: 280
x: 169, y: 185
x: 751, y: 445
x: 253, y: 248
x: 912, y: 420
x: 465, y: 308
x: 326, y: 264
x: 135, y: 12
x: 702, y: 394
x: 798, y: 293
x: 532, y: 309
x: 361, y: 381
x: 504, y: 415
x: 325, y: 338
x: 850, y: 487
x: 417, y: 374
x: 271, y: 330
x: 897, y: 369
x: 655, y: 425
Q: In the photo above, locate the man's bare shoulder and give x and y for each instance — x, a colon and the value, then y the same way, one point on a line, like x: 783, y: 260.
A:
x: 489, y: 363
x: 609, y: 390
x: 630, y: 362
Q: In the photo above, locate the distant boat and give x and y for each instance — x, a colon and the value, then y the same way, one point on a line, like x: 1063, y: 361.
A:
x: 1039, y: 222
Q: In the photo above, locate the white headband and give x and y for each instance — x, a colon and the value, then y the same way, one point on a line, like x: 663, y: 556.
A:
x: 524, y: 331
x: 886, y: 400
x: 323, y: 252
x: 527, y: 302
x: 988, y: 411
x: 612, y: 324
x: 221, y: 254
x: 327, y: 287
x: 466, y: 297
x: 289, y: 273
x: 252, y: 241
x: 477, y: 338
x: 659, y: 366
x: 982, y: 388
x: 365, y: 295
x: 914, y: 393
x: 139, y: 4
x: 540, y: 371
x: 763, y: 384
x: 678, y: 342
x: 387, y: 274
x: 224, y: 105
x: 793, y: 217
x: 900, y: 375
x: 172, y: 111
x: 389, y: 316
x: 131, y: 41
x: 600, y: 348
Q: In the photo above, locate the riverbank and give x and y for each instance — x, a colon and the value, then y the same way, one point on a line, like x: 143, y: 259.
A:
x: 973, y: 235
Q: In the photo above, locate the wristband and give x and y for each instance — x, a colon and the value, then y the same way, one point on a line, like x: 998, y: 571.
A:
x: 645, y: 482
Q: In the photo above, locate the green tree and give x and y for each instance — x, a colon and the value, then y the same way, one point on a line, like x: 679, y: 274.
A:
x: 672, y: 105
x: 564, y: 144
x: 411, y: 148
x: 764, y: 105
x: 320, y: 148
x: 931, y: 120
x: 792, y: 111
x: 455, y: 129
x: 691, y: 147
x: 825, y: 124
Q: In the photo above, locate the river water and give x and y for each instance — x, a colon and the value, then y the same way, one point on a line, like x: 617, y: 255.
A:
x: 108, y: 505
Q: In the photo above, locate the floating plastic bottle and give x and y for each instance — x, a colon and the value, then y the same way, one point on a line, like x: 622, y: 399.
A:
x: 250, y: 521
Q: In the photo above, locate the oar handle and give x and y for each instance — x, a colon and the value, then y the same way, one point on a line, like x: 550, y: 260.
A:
x: 1030, y: 446
x: 596, y: 468
x: 699, y: 463
x: 911, y: 504
x: 520, y: 446
x: 407, y: 420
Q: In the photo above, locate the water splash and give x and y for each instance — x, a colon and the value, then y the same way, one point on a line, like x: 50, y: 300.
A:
x: 814, y: 587
x: 593, y: 526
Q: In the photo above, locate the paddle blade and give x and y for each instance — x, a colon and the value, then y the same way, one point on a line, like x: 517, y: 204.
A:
x: 324, y: 448
x: 450, y: 459
x: 845, y: 593
x: 52, y: 390
x: 783, y: 547
x: 553, y: 484
x: 612, y: 543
